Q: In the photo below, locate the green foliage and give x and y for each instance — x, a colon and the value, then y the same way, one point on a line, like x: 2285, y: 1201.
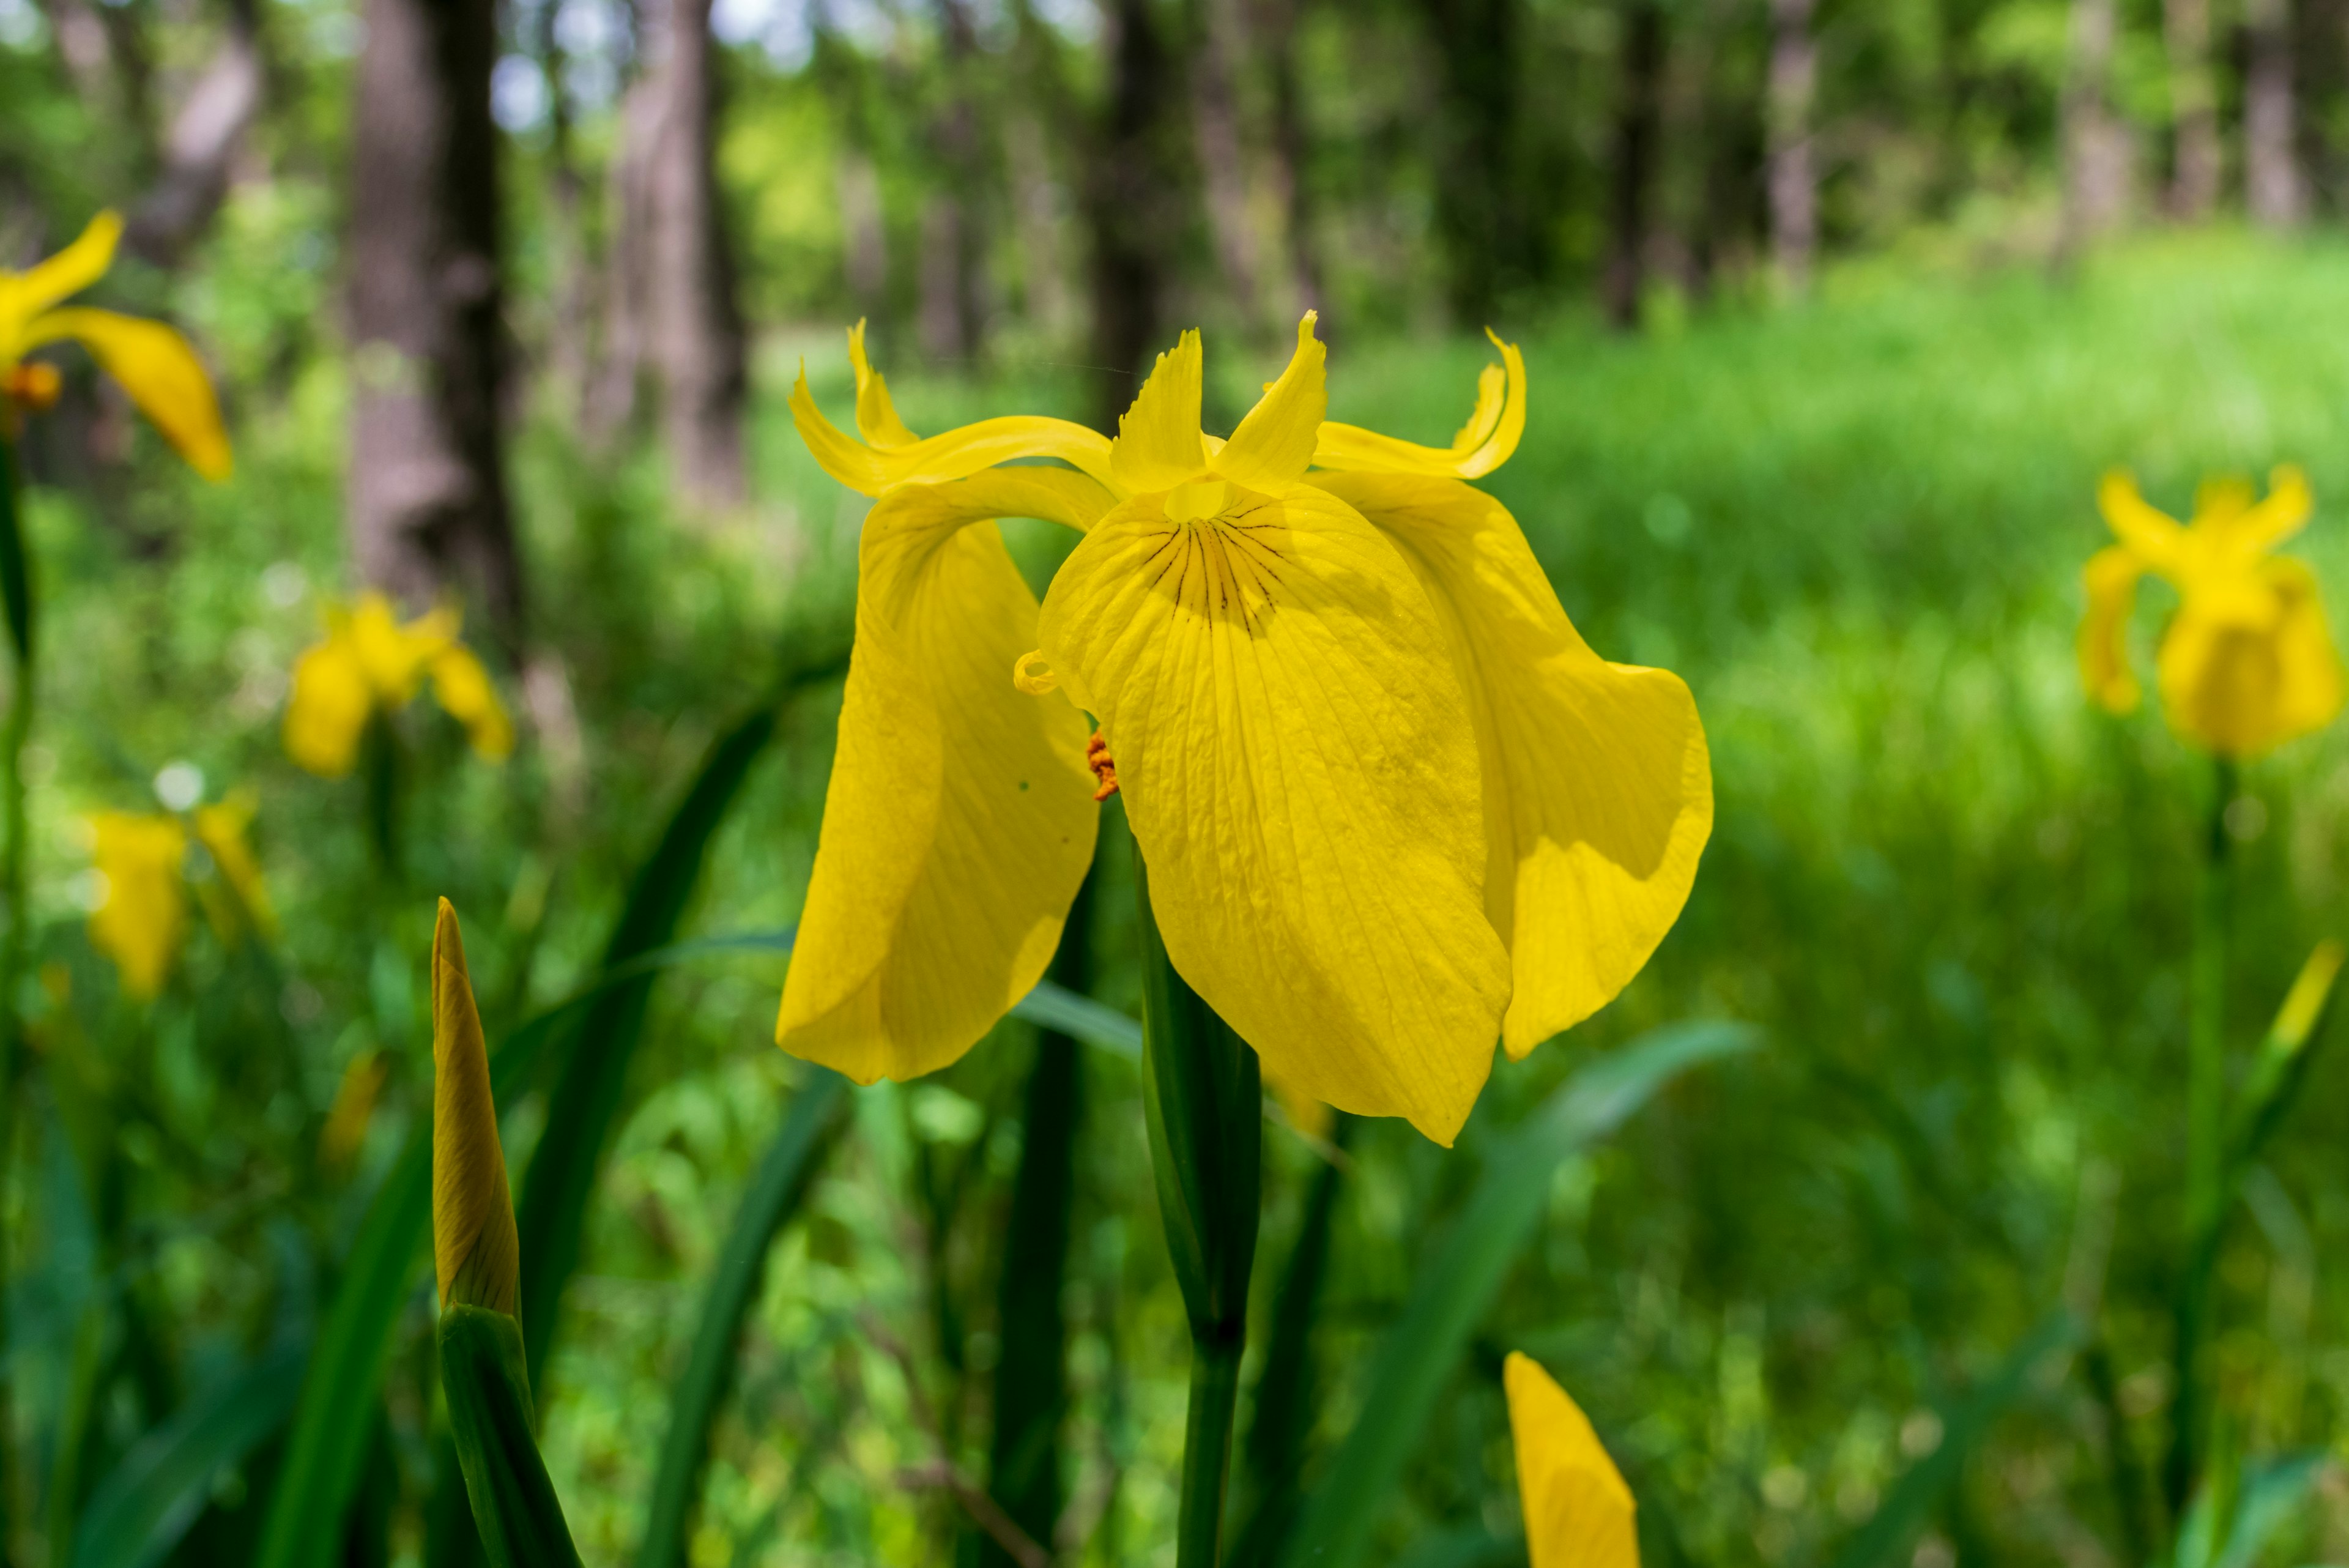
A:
x: 490, y: 1420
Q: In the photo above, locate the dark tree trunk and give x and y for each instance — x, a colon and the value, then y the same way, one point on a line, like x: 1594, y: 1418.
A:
x: 1794, y: 169
x: 2272, y: 187
x: 1277, y: 29
x: 953, y: 232
x: 1130, y: 201
x: 1639, y: 118
x: 697, y: 325
x: 427, y: 497
x: 2194, y: 109
x: 203, y: 141
x: 2096, y: 147
x: 1476, y: 207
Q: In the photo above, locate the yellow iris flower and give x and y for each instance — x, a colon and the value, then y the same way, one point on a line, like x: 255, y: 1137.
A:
x: 1579, y: 1512
x: 369, y: 663
x: 1392, y: 804
x: 152, y: 361
x: 2247, y: 663
x: 141, y: 923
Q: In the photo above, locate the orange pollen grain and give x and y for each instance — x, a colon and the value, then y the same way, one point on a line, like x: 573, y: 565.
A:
x: 1097, y: 758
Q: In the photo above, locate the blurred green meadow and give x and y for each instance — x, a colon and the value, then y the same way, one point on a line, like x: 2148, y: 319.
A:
x: 1952, y: 897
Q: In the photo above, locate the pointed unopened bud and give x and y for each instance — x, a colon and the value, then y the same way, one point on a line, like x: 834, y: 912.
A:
x: 475, y: 1249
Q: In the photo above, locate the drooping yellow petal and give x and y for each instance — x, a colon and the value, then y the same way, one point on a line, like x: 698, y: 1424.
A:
x: 960, y: 820
x: 2246, y: 665
x: 1483, y: 443
x: 222, y: 829
x: 951, y: 455
x: 1158, y: 445
x: 143, y: 919
x: 463, y: 688
x: 876, y: 413
x: 328, y: 709
x: 2157, y: 537
x: 24, y: 295
x: 2111, y: 577
x: 1274, y: 443
x: 476, y: 1254
x: 1597, y: 785
x: 159, y: 369
x: 1579, y: 1512
x: 1300, y: 772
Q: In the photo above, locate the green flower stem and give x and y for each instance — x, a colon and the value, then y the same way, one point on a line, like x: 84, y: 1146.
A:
x: 2206, y: 1130
x: 17, y: 597
x: 492, y: 1425
x: 1203, y: 1100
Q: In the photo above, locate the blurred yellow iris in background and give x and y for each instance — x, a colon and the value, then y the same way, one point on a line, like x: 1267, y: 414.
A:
x: 1579, y: 1512
x: 141, y: 921
x: 369, y: 664
x: 2247, y: 663
x: 1393, y: 805
x: 152, y: 361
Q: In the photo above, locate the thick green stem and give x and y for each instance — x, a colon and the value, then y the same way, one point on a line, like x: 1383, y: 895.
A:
x: 1204, y: 1102
x: 16, y: 948
x: 2206, y: 1134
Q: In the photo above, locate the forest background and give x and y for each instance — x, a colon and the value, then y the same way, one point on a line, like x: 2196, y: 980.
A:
x: 1835, y: 311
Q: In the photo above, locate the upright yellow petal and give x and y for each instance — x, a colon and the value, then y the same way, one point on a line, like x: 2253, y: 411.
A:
x: 328, y: 709
x: 160, y: 372
x: 1274, y: 443
x: 960, y: 820
x: 1483, y: 443
x: 347, y: 1118
x: 1299, y: 768
x: 2158, y: 540
x: 222, y: 829
x: 24, y: 295
x: 2257, y: 528
x: 476, y: 1254
x: 1158, y: 445
x: 950, y: 455
x: 395, y: 657
x: 463, y: 688
x: 1579, y: 1512
x: 2111, y: 577
x: 1597, y: 785
x: 876, y: 413
x: 143, y: 919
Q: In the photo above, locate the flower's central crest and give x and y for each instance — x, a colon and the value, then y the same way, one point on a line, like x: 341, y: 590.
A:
x: 1391, y: 804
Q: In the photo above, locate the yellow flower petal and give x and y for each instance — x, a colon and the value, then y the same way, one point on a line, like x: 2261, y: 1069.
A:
x: 960, y: 819
x: 463, y: 688
x: 340, y: 1141
x: 144, y: 917
x: 221, y: 830
x: 876, y: 414
x: 1274, y: 443
x: 1300, y: 771
x: 394, y: 656
x: 2157, y: 537
x: 2240, y: 681
x: 952, y: 455
x: 1598, y: 785
x: 476, y: 1254
x: 2255, y: 528
x: 1483, y: 443
x: 24, y: 295
x: 160, y: 372
x: 2111, y: 576
x: 1579, y: 1512
x: 1158, y: 445
x: 328, y: 709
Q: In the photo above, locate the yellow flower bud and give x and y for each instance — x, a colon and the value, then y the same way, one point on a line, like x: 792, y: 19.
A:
x: 475, y: 1250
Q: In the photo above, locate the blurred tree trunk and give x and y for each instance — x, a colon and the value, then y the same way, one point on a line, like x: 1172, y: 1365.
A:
x: 1794, y: 171
x: 2271, y: 181
x: 1476, y: 212
x: 2096, y: 148
x: 571, y: 346
x: 1286, y: 149
x: 1040, y: 116
x: 1130, y: 203
x: 615, y: 383
x: 696, y: 323
x: 426, y: 489
x: 2193, y: 109
x: 1221, y: 46
x: 201, y: 143
x: 954, y: 236
x: 1631, y: 185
